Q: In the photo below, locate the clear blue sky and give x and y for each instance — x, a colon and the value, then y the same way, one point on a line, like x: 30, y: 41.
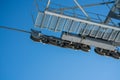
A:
x: 23, y: 59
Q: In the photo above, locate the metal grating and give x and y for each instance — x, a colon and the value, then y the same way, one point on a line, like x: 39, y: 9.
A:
x: 59, y: 22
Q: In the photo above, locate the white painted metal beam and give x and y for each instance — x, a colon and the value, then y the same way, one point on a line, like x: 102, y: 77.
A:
x: 48, y: 3
x: 81, y: 8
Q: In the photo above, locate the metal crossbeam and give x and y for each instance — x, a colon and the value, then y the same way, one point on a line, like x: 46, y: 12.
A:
x: 112, y: 13
x: 85, y: 6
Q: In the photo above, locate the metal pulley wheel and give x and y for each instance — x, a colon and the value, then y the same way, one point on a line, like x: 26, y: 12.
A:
x: 34, y: 39
x: 85, y: 47
x: 99, y: 51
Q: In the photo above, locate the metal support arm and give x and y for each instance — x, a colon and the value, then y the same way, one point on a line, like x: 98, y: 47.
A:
x: 81, y: 8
